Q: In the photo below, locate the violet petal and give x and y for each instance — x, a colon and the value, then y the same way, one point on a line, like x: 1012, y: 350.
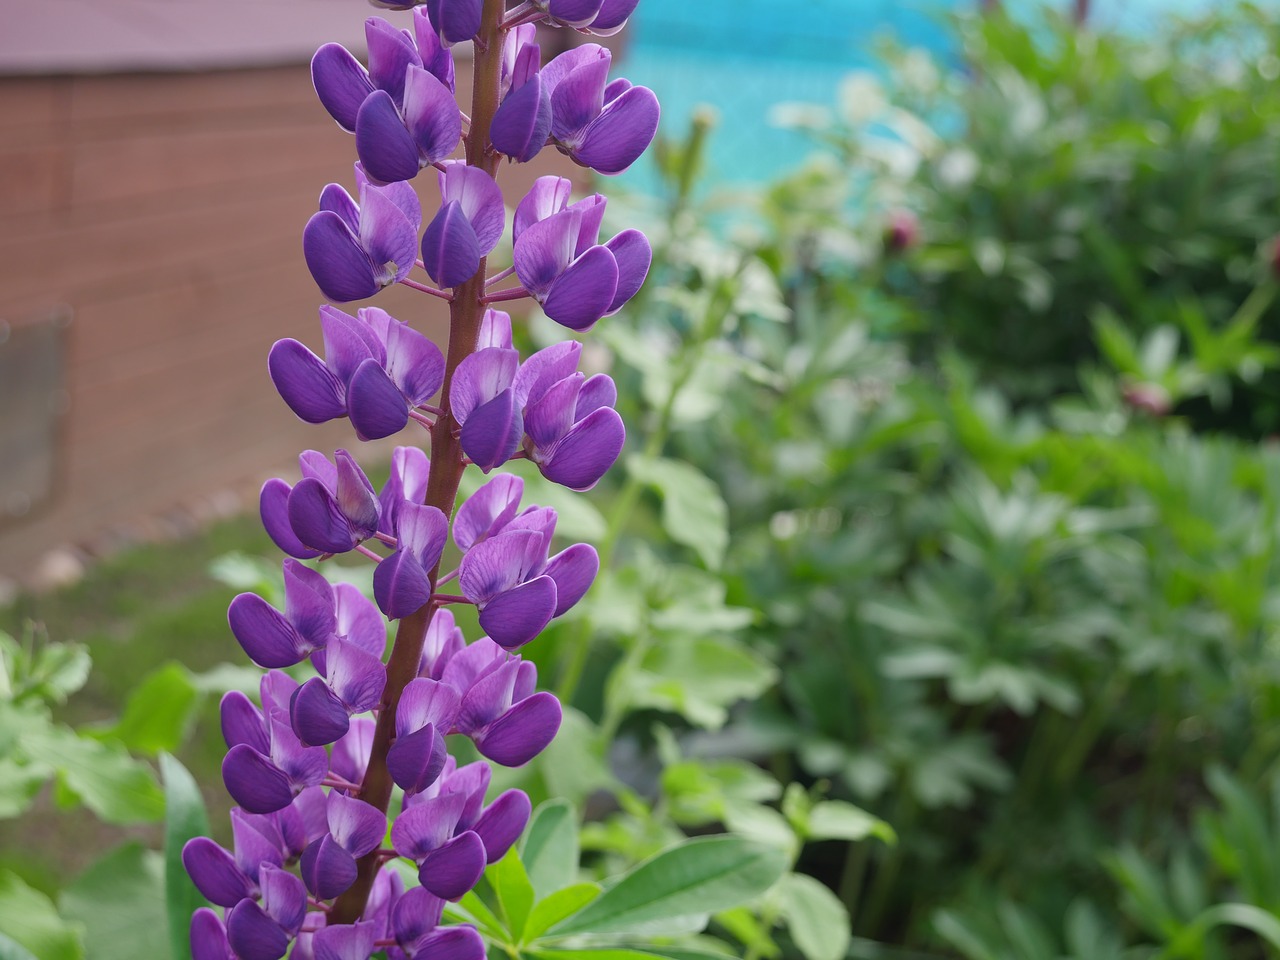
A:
x: 522, y: 732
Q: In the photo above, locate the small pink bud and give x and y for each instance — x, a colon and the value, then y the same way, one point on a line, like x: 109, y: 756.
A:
x: 902, y: 232
x: 1150, y: 398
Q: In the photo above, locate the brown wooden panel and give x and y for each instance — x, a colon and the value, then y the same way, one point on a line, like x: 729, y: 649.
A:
x: 32, y: 179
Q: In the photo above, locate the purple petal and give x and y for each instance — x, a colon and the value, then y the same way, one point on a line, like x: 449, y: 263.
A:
x: 492, y: 433
x: 253, y: 935
x: 318, y: 715
x: 336, y: 200
x: 304, y: 766
x: 387, y: 233
x: 545, y: 250
x: 515, y: 617
x: 284, y: 898
x: 308, y: 604
x: 573, y: 570
x: 316, y: 465
x: 242, y: 722
x: 564, y: 64
x: 326, y: 868
x: 376, y: 406
x: 587, y: 453
x: 254, y: 782
x: 591, y: 210
x: 443, y: 642
x: 416, y: 759
x: 613, y: 16
x: 275, y: 690
x: 631, y: 250
x: 414, y: 363
x: 356, y: 676
x: 480, y: 377
x: 385, y: 147
x: 209, y: 937
x: 431, y: 116
x: 546, y: 367
x: 489, y: 696
x: 495, y: 330
x: 449, y: 943
x: 348, y: 342
x: 480, y: 199
x: 316, y: 519
x: 416, y: 914
x: 487, y: 510
x: 351, y: 753
x: 574, y: 13
x: 426, y: 825
x: 273, y: 507
x: 426, y: 701
x: 599, y: 391
x: 503, y: 821
x: 582, y: 294
x: 548, y: 195
x: 391, y: 52
x: 473, y: 662
x: 436, y: 57
x: 403, y: 197
x: 522, y: 732
x: 422, y: 531
x: 455, y: 20
x: 455, y: 867
x: 410, y: 470
x: 623, y: 131
x: 450, y: 249
x: 551, y: 416
x: 341, y: 83
x: 214, y: 872
x: 579, y: 98
x: 498, y: 563
x: 264, y: 633
x: 355, y: 496
x: 523, y: 121
x: 358, y: 620
x: 338, y: 263
x: 345, y: 941
x: 357, y: 826
x: 306, y: 385
x: 400, y: 585
x: 254, y: 849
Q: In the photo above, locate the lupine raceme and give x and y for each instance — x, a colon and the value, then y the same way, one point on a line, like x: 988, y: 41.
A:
x: 315, y: 765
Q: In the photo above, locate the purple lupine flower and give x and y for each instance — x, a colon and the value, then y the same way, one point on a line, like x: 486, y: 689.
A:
x: 426, y: 713
x: 415, y: 925
x: 401, y: 109
x: 569, y: 13
x: 499, y: 823
x: 209, y: 937
x: 410, y: 471
x: 354, y: 251
x: 500, y: 711
x: 351, y: 752
x: 330, y: 510
x: 468, y: 225
x: 263, y: 931
x: 316, y: 612
x: 376, y: 369
x: 573, y: 435
x: 575, y: 279
x: 612, y: 17
x: 443, y: 641
x: 514, y: 585
x: 345, y: 941
x: 402, y: 581
x: 522, y: 122
x: 224, y: 878
x: 328, y: 865
x: 321, y: 708
x: 598, y: 124
x: 266, y: 765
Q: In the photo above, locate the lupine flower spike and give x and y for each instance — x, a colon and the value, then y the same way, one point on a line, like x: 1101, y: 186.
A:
x: 312, y: 760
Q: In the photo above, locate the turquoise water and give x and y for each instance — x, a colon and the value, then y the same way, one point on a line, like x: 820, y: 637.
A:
x: 744, y: 57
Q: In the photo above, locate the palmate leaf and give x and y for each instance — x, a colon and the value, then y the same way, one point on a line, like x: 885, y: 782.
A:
x: 550, y: 849
x: 694, y: 513
x: 120, y: 901
x: 184, y: 818
x: 29, y: 919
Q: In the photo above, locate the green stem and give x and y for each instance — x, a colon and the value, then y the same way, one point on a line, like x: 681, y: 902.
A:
x: 465, y: 314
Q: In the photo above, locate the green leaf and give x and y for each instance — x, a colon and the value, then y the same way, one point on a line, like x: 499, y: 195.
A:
x: 550, y: 850
x: 818, y: 921
x: 19, y: 784
x: 694, y: 513
x: 184, y: 818
x: 838, y: 820
x: 30, y: 919
x: 471, y: 909
x: 514, y: 892
x: 120, y: 901
x: 696, y: 877
x: 103, y: 776
x: 558, y: 907
x: 158, y: 714
x: 699, y: 678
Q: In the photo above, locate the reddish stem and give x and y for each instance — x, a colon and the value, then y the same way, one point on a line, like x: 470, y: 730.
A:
x: 466, y: 310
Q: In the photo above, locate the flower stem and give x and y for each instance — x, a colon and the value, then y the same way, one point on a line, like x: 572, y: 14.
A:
x: 466, y: 310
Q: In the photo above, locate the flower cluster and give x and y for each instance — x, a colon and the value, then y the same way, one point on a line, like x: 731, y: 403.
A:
x: 342, y: 766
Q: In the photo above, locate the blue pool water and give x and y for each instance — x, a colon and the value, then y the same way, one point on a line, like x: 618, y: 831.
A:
x: 744, y: 57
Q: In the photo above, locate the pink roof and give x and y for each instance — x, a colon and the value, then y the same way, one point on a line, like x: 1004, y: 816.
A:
x: 97, y: 36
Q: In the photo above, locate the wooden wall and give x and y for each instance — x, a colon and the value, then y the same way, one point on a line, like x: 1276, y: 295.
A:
x: 164, y: 213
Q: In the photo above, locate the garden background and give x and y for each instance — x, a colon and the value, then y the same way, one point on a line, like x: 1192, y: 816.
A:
x: 945, y: 557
